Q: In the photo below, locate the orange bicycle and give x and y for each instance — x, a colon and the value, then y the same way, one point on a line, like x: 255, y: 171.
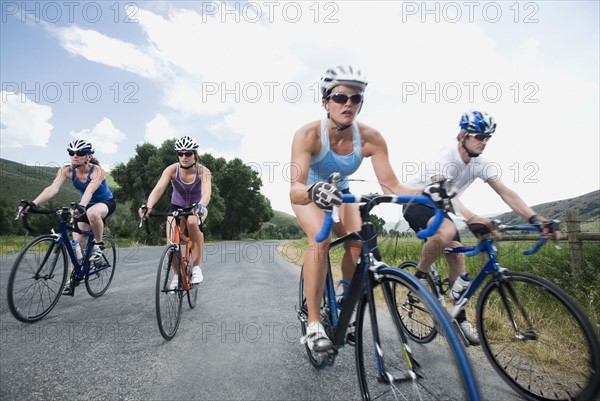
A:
x: 174, y: 274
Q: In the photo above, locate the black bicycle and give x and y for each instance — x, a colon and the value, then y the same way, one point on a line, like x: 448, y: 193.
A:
x: 388, y: 366
x: 39, y: 274
x: 535, y: 336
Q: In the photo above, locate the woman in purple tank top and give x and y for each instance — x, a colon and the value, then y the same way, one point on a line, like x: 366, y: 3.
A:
x: 191, y: 183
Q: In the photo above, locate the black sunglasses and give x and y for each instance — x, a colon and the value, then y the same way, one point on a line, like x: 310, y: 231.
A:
x: 78, y: 153
x: 187, y: 154
x: 480, y: 137
x: 342, y: 98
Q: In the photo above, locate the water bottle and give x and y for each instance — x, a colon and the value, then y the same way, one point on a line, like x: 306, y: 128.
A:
x: 77, y: 249
x: 460, y: 285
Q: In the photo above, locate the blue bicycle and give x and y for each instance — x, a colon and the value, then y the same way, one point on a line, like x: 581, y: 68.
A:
x: 40, y: 272
x: 535, y: 336
x: 388, y: 366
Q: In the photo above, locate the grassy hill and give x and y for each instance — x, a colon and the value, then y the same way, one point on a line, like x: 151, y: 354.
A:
x: 19, y: 181
x: 588, y: 206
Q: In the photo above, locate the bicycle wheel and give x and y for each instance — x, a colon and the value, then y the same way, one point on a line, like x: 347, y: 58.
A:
x: 37, y: 279
x: 168, y: 301
x: 389, y: 366
x: 318, y: 359
x: 416, y: 320
x: 100, y: 273
x: 538, y: 339
x: 192, y: 293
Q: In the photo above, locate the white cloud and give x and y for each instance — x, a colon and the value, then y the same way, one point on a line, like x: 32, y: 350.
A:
x: 158, y: 130
x: 24, y: 122
x: 103, y: 49
x: 104, y: 136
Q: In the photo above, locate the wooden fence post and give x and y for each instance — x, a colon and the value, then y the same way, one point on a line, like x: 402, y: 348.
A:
x: 575, y: 244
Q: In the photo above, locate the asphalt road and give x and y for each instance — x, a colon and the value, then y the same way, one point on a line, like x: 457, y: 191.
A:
x: 240, y: 343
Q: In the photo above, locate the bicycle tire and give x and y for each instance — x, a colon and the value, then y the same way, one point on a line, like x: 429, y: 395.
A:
x: 192, y: 293
x: 318, y: 359
x: 34, y: 290
x: 399, y: 360
x: 416, y: 320
x: 168, y: 302
x: 564, y: 364
x: 99, y: 275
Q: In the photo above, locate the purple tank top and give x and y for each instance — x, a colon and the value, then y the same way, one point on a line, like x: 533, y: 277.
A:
x: 184, y: 195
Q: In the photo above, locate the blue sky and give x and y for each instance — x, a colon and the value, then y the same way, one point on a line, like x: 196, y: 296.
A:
x: 240, y: 77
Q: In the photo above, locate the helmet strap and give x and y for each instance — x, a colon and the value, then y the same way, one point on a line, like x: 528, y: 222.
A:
x: 469, y: 151
x: 188, y: 167
x: 337, y: 126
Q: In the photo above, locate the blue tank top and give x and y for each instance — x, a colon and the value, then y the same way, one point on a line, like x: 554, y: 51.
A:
x: 102, y: 193
x: 327, y: 161
x: 184, y: 194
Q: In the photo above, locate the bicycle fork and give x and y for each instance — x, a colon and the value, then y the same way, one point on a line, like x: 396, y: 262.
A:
x: 507, y: 292
x: 385, y: 376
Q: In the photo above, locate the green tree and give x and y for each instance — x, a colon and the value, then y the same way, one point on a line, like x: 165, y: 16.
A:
x: 378, y: 224
x: 245, y: 207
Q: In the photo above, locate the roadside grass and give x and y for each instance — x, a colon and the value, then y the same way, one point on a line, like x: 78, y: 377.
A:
x: 549, y: 263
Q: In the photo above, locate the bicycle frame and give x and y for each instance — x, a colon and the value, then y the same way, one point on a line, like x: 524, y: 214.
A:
x: 369, y: 259
x: 185, y: 257
x: 490, y: 267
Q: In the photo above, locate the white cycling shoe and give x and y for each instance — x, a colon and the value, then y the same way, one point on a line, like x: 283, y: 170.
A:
x: 316, y: 338
x: 470, y: 332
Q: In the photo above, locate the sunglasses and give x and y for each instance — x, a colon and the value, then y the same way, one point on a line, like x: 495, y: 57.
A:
x: 342, y: 98
x: 186, y: 154
x: 78, y: 153
x: 480, y: 137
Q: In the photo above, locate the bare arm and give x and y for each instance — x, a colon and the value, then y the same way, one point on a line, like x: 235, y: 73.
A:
x: 206, y: 179
x: 52, y: 189
x: 511, y: 198
x: 306, y: 143
x: 161, y: 186
x: 376, y: 148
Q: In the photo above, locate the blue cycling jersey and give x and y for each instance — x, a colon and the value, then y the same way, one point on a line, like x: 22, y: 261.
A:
x: 101, y: 194
x: 327, y: 161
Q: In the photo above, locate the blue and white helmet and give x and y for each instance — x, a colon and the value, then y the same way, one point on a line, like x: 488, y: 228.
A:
x: 342, y: 75
x: 80, y: 145
x: 478, y: 121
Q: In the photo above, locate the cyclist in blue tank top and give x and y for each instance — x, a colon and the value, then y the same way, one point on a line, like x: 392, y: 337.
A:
x: 191, y: 184
x: 96, y: 201
x: 335, y: 144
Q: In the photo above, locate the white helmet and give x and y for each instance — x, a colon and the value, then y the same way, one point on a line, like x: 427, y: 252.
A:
x: 342, y: 75
x: 186, y: 143
x: 80, y: 145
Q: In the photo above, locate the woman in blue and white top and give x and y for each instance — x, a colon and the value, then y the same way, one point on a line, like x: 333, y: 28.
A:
x: 336, y: 143
x: 96, y: 201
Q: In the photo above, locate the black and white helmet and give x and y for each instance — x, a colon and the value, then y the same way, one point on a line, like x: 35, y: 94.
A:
x: 186, y: 143
x: 80, y: 145
x: 342, y: 75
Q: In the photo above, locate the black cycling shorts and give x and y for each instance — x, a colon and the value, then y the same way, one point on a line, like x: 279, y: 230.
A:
x: 418, y: 216
x: 112, y: 206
